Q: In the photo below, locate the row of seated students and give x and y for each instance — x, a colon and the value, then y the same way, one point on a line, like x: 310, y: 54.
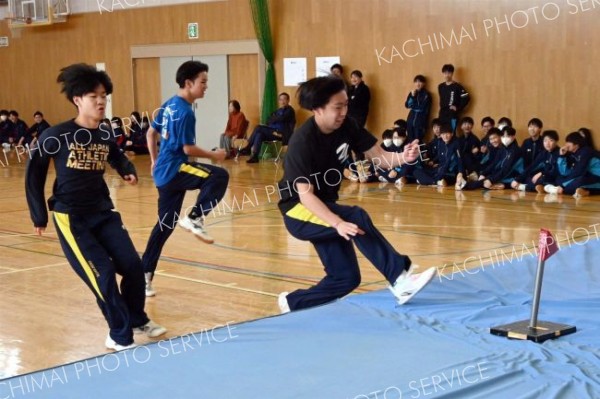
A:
x: 131, y: 138
x: 495, y: 161
x: 15, y: 132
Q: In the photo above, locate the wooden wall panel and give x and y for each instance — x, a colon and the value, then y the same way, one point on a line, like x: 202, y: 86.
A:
x: 542, y: 69
x: 243, y: 85
x: 146, y: 81
x: 32, y: 62
x: 541, y: 64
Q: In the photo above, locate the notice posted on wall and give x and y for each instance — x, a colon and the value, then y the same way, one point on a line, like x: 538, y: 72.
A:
x: 294, y: 71
x: 323, y: 65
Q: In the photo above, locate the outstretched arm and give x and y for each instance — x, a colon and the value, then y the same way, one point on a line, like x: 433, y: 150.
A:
x: 319, y: 209
x: 386, y: 159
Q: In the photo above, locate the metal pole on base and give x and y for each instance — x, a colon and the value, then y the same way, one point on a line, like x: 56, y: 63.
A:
x: 531, y: 329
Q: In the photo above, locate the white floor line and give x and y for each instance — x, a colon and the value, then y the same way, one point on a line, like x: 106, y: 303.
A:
x: 34, y: 268
x: 230, y: 285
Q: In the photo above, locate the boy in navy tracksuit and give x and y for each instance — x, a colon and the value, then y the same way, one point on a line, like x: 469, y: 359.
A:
x: 309, y: 191
x: 432, y: 146
x: 532, y: 146
x: 544, y: 168
x: 503, y: 169
x: 91, y: 233
x: 578, y: 168
x: 469, y: 146
x: 396, y: 174
x: 419, y: 103
x: 35, y: 131
x: 20, y: 127
x: 174, y: 175
x: 449, y: 162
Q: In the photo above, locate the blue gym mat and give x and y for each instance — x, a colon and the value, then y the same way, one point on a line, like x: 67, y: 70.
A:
x: 364, y: 346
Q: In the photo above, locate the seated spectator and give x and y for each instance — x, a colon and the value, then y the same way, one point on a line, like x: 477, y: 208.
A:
x: 35, y: 130
x: 507, y: 165
x: 396, y: 141
x: 469, y: 146
x: 7, y: 130
x: 544, y: 169
x: 578, y: 167
x: 532, y: 146
x: 137, y: 142
x: 135, y: 124
x: 449, y: 162
x: 504, y: 122
x: 432, y: 146
x: 20, y: 127
x: 236, y: 125
x: 280, y: 126
x: 491, y: 149
x: 118, y: 133
x: 486, y: 124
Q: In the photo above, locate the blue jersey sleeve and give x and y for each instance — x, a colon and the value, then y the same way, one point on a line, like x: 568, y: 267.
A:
x: 187, y: 127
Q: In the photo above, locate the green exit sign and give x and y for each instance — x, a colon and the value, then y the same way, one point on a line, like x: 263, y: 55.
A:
x: 193, y: 30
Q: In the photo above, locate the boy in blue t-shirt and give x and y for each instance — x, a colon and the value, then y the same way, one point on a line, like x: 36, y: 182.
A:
x: 173, y: 174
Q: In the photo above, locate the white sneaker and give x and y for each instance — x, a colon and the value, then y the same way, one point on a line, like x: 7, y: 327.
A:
x: 196, y: 226
x: 400, y: 181
x: 408, y: 285
x: 460, y: 183
x: 151, y: 329
x: 149, y: 290
x: 284, y: 306
x: 111, y: 344
x: 550, y: 189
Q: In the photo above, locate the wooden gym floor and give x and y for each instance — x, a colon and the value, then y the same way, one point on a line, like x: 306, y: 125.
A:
x: 48, y: 316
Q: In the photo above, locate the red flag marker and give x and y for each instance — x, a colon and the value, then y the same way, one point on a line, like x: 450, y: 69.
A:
x: 547, y: 245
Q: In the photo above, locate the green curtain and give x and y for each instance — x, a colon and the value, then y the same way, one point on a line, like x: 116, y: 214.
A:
x: 262, y: 27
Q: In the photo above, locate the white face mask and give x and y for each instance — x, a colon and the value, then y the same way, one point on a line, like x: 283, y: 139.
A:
x: 398, y: 142
x: 3, y: 117
x: 502, y: 126
x: 114, y: 125
x: 387, y: 142
x: 506, y: 140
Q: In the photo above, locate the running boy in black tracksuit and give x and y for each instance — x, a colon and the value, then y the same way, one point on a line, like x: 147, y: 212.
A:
x: 90, y: 232
x: 309, y: 191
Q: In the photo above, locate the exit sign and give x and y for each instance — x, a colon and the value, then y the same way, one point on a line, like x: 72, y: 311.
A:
x: 193, y: 30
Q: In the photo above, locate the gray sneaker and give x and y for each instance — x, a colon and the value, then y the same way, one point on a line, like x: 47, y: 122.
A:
x: 151, y: 329
x: 196, y: 226
x: 149, y: 290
